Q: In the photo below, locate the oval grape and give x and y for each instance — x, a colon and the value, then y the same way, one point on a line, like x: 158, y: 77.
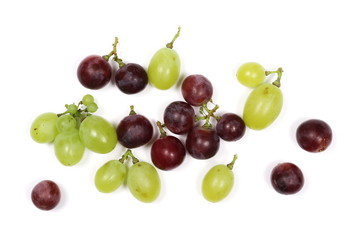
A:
x: 110, y: 176
x: 251, y: 74
x: 68, y: 147
x: 43, y: 129
x: 66, y: 123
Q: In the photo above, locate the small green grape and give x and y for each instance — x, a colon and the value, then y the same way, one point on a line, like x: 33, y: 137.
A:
x: 68, y: 147
x: 110, y: 176
x: 87, y: 99
x: 251, y: 74
x: 43, y: 129
x: 72, y: 108
x: 66, y: 123
x: 92, y: 107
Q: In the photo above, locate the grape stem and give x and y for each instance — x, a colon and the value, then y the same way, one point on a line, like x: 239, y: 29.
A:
x: 207, y: 114
x: 231, y: 164
x: 279, y: 72
x: 132, y: 111
x: 161, y: 129
x: 114, y: 54
x: 170, y: 45
x: 128, y: 154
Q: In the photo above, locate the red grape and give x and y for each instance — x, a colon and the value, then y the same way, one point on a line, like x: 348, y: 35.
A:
x: 230, y: 127
x: 197, y: 90
x: 314, y: 135
x: 202, y: 143
x: 179, y: 117
x: 94, y: 72
x: 131, y: 78
x: 46, y: 195
x: 287, y: 178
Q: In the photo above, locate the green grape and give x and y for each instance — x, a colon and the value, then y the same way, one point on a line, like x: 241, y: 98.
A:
x: 87, y: 99
x: 92, y: 107
x: 262, y: 106
x: 251, y: 74
x: 164, y: 67
x: 218, y: 182
x: 43, y: 129
x: 66, y: 123
x: 68, y: 147
x: 72, y: 108
x: 110, y: 176
x: 97, y: 134
x: 143, y: 181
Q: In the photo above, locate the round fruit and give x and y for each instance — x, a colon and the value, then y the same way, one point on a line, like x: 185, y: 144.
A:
x: 131, y: 78
x: 179, y: 117
x: 197, y: 90
x: 43, y: 128
x: 202, y: 143
x: 251, y: 74
x: 230, y: 127
x: 314, y: 135
x: 46, y: 195
x: 287, y: 178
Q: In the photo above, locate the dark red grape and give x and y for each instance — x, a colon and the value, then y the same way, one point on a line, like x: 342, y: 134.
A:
x: 167, y: 152
x: 94, y: 72
x: 314, y: 135
x: 230, y: 127
x: 131, y: 78
x: 197, y: 90
x: 134, y: 131
x: 179, y: 117
x: 202, y: 143
x: 46, y: 195
x: 287, y: 178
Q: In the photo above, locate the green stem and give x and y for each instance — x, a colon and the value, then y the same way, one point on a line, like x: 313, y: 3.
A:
x: 161, y: 129
x: 132, y: 111
x: 279, y: 72
x: 170, y: 45
x: 128, y: 154
x: 209, y: 113
x: 113, y: 52
x: 231, y: 164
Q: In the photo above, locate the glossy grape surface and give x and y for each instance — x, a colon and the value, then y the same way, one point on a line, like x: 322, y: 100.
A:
x: 202, y: 143
x: 164, y: 68
x: 43, y: 128
x: 287, y: 178
x: 46, y: 195
x: 110, y: 176
x: 143, y: 181
x: 68, y: 147
x: 179, y: 117
x: 167, y: 152
x: 251, y: 74
x: 97, y: 134
x: 197, y: 89
x: 231, y: 127
x: 94, y: 72
x: 314, y: 135
x: 134, y: 131
x: 217, y: 183
x: 131, y: 78
x: 262, y: 106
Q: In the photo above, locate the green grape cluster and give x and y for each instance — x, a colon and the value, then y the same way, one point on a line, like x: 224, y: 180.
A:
x: 74, y: 131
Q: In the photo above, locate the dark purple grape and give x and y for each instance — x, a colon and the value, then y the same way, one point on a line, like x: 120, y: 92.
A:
x: 134, y: 131
x: 167, y: 152
x: 287, y: 178
x: 94, y: 72
x: 131, y: 78
x: 202, y: 143
x: 314, y: 135
x: 197, y: 90
x: 179, y: 117
x: 230, y: 127
x: 46, y: 195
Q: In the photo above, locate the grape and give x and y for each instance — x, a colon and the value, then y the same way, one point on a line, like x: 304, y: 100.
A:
x: 110, y: 176
x: 43, y: 128
x: 134, y: 131
x: 251, y: 74
x: 167, y: 152
x: 72, y: 108
x: 87, y: 99
x: 68, y: 147
x: 230, y: 127
x: 202, y: 143
x: 262, y: 106
x: 179, y: 117
x: 287, y: 178
x: 46, y: 195
x: 218, y: 182
x: 66, y: 123
x: 314, y: 135
x: 131, y: 78
x: 164, y: 67
x: 92, y: 107
x: 97, y: 134
x: 197, y: 90
x: 94, y: 72
x: 143, y: 181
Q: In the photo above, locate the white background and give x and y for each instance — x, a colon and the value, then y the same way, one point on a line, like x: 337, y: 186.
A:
x: 319, y: 46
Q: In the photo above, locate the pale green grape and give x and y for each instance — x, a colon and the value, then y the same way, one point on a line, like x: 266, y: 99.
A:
x: 143, y: 181
x: 92, y: 107
x: 110, y: 176
x: 217, y: 183
x: 262, y: 106
x: 72, y: 108
x: 66, y: 123
x: 43, y: 128
x: 87, y: 99
x: 97, y: 134
x: 164, y: 68
x: 68, y: 147
x: 251, y: 74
